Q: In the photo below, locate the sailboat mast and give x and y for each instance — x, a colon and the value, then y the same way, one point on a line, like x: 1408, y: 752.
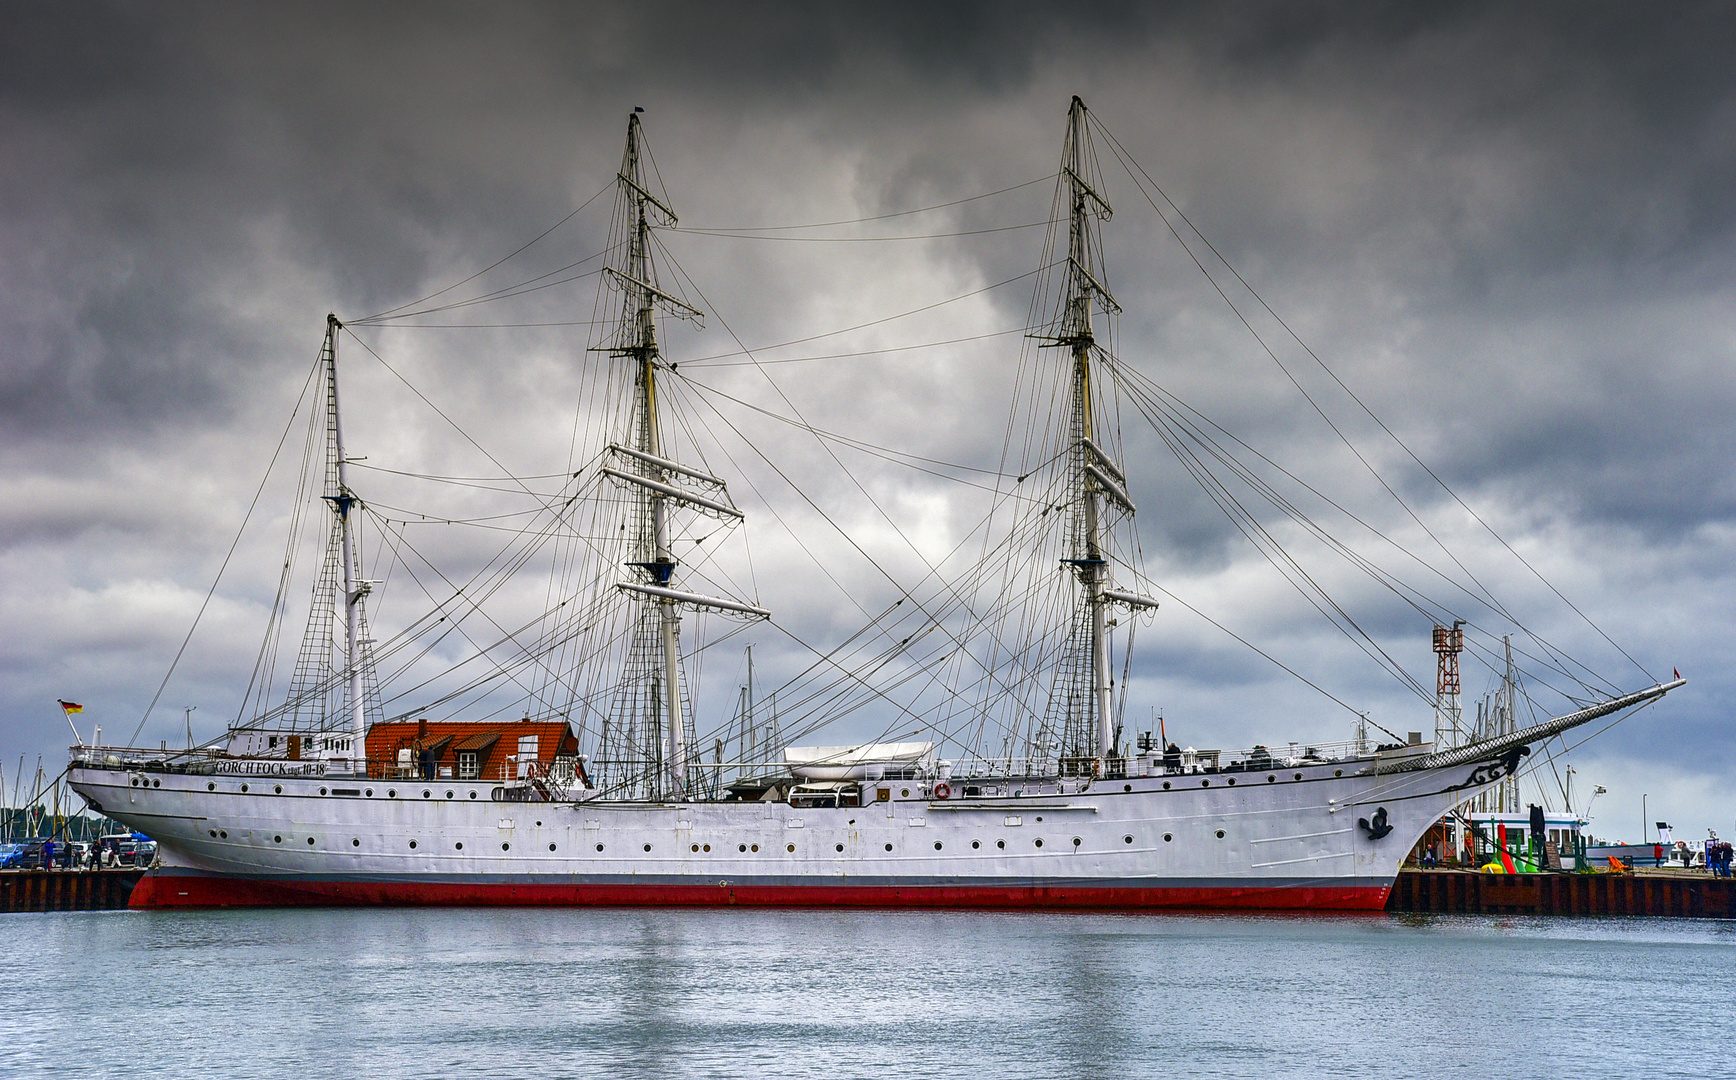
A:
x: 343, y: 501
x: 1090, y: 564
x: 661, y: 563
x: 651, y: 683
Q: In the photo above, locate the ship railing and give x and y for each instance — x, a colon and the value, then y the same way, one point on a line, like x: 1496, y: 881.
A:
x: 1257, y: 757
x: 200, y: 761
x: 1152, y: 760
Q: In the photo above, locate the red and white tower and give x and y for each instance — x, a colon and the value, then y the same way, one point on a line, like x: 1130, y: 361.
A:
x: 1449, y: 643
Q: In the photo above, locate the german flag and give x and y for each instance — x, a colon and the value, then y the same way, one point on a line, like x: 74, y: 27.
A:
x: 70, y: 707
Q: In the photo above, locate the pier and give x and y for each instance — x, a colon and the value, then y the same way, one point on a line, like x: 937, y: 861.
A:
x: 1650, y: 893
x: 67, y: 890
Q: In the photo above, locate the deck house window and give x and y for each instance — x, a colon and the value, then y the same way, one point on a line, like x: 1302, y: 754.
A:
x: 469, y: 768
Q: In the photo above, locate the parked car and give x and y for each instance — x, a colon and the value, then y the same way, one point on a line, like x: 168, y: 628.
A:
x: 120, y: 849
x: 11, y: 855
x: 35, y: 854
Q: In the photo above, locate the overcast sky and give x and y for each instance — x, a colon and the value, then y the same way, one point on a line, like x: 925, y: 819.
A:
x: 1507, y: 230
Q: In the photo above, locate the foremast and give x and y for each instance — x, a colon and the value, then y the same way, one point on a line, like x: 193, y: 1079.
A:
x: 659, y: 483
x: 1096, y: 481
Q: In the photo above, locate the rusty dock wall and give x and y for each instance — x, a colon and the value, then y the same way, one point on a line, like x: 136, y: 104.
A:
x: 1464, y: 892
x: 66, y: 890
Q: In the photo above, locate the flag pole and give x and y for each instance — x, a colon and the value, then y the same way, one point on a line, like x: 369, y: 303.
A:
x: 67, y: 708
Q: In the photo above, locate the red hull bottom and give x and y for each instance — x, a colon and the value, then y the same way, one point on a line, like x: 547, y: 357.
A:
x: 156, y: 890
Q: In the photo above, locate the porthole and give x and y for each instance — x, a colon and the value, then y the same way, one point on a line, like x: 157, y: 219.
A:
x: 243, y: 789
x: 1128, y: 839
x: 369, y: 793
x: 156, y: 783
x: 706, y: 848
x: 1220, y: 834
x: 473, y: 793
x: 459, y: 846
x: 211, y: 786
x: 1039, y: 841
x: 888, y: 847
x: 505, y: 846
x: 647, y: 847
x: 741, y: 847
x: 905, y: 793
x: 599, y: 847
x: 1126, y: 787
x: 539, y: 824
x: 1001, y: 844
x: 1205, y: 783
x: 1039, y: 817
x: 1271, y: 779
x: 551, y: 847
x: 840, y: 847
x: 134, y: 781
x: 1232, y: 781
x: 391, y: 793
x: 277, y: 839
x: 426, y: 794
x: 322, y: 791
x: 277, y: 789
x: 1077, y: 841
x: 1337, y: 772
x: 1166, y: 785
x: 355, y: 842
x: 213, y: 834
x: 449, y: 794
x: 791, y: 848
x: 974, y: 844
x: 754, y: 848
x: 1298, y: 776
x: 224, y: 833
x: 412, y: 845
x: 1167, y: 837
x: 310, y: 841
x: 695, y: 847
x: 937, y: 845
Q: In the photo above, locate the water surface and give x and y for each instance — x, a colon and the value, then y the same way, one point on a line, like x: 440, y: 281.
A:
x: 635, y: 993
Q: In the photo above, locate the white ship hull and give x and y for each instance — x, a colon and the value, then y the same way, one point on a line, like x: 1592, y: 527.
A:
x: 1291, y: 838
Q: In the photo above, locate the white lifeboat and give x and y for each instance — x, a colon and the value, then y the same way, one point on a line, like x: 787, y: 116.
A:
x: 868, y: 760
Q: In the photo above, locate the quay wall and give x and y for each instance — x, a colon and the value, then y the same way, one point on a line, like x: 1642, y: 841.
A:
x: 1466, y: 892
x: 66, y: 890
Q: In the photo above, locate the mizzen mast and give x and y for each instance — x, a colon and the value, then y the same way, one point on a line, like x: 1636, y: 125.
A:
x: 355, y: 588
x: 333, y: 694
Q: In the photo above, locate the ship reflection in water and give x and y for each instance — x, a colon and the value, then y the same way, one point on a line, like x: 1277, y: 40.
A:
x: 671, y: 993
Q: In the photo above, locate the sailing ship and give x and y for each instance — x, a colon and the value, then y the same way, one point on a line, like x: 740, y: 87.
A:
x: 321, y: 799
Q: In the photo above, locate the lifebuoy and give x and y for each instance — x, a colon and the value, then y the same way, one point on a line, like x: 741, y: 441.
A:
x: 942, y: 790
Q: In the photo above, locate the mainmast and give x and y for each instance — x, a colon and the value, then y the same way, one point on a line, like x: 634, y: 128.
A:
x: 661, y: 484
